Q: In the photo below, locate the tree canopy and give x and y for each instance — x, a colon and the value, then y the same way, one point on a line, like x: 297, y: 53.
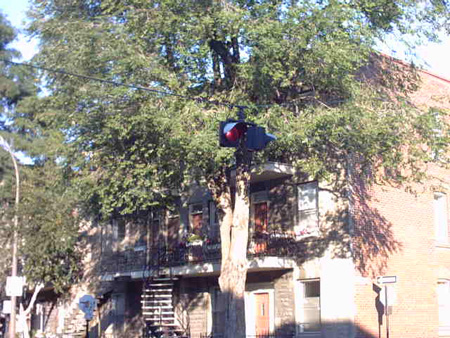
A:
x: 168, y: 71
x: 293, y: 64
x: 48, y: 228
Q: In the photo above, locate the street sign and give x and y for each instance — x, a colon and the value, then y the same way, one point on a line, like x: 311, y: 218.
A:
x: 386, y: 279
x: 390, y: 297
x: 14, y: 286
x: 6, y: 307
x: 87, y: 304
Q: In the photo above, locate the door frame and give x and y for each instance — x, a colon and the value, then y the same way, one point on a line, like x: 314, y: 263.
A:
x: 250, y: 320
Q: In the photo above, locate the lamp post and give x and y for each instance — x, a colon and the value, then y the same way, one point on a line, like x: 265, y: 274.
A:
x: 12, y: 322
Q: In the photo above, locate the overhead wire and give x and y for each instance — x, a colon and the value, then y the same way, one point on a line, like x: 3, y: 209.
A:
x: 151, y: 90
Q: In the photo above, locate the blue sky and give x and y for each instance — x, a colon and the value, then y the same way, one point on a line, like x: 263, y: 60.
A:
x: 434, y: 57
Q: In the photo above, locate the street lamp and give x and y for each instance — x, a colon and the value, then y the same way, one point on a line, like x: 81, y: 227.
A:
x: 12, y: 325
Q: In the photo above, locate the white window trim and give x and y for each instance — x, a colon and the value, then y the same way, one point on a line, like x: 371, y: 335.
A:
x: 440, y: 200
x: 250, y: 311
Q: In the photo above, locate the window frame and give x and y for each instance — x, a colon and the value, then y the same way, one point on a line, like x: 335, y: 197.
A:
x: 301, y: 305
x: 441, y: 214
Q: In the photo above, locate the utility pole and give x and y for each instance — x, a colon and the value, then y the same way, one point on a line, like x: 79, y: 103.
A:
x: 12, y: 321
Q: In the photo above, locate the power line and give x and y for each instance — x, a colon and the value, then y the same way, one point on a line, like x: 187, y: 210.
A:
x: 131, y: 86
x: 155, y: 91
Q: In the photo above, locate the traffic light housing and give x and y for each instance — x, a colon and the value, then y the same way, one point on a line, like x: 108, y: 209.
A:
x: 230, y: 133
x: 257, y: 138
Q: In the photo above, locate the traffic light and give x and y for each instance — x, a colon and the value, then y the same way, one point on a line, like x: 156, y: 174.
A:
x: 257, y: 138
x: 230, y: 133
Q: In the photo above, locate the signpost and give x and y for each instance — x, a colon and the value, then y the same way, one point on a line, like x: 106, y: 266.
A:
x: 388, y: 296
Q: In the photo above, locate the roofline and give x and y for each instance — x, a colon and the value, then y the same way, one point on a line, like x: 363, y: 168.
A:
x: 418, y: 69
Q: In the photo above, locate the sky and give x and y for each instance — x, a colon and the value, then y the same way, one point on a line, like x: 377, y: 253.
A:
x: 434, y: 57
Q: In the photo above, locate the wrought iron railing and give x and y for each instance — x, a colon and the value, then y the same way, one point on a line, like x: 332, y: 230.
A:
x: 260, y: 245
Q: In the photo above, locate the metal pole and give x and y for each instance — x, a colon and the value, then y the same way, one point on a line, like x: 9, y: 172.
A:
x: 87, y: 328
x: 386, y: 310
x: 12, y: 323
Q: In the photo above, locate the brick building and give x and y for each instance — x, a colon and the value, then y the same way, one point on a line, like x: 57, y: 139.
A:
x: 314, y: 256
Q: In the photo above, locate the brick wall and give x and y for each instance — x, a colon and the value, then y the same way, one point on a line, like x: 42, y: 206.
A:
x: 395, y: 235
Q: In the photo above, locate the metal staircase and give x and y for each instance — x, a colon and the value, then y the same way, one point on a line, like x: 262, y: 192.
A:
x: 158, y: 309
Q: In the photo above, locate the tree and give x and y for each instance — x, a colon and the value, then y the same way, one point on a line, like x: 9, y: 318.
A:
x: 45, y: 228
x: 295, y: 66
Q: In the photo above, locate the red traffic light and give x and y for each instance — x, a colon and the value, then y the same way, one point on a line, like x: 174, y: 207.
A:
x: 234, y: 134
x: 230, y: 132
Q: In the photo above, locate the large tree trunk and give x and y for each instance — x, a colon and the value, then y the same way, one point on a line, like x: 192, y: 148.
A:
x: 233, y: 274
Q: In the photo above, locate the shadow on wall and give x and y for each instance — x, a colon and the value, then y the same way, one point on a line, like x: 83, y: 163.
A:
x: 341, y: 329
x: 360, y: 232
x: 373, y: 240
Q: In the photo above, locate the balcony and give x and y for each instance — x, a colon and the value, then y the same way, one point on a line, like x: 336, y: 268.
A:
x: 124, y: 261
x: 261, y: 245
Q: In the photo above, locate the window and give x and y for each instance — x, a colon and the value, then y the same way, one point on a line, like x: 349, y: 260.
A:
x: 441, y: 216
x: 308, y: 208
x: 310, y: 312
x: 443, y: 293
x: 141, y: 240
x: 218, y: 312
x: 120, y: 232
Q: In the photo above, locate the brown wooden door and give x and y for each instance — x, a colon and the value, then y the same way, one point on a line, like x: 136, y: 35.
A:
x: 260, y: 217
x: 262, y: 320
x: 260, y: 221
x: 197, y: 223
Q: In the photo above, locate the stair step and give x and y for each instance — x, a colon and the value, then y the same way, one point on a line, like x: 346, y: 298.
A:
x: 156, y: 300
x: 156, y: 303
x: 161, y: 279
x: 159, y: 310
x: 157, y: 292
x: 158, y: 296
x: 156, y: 306
x: 164, y: 325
